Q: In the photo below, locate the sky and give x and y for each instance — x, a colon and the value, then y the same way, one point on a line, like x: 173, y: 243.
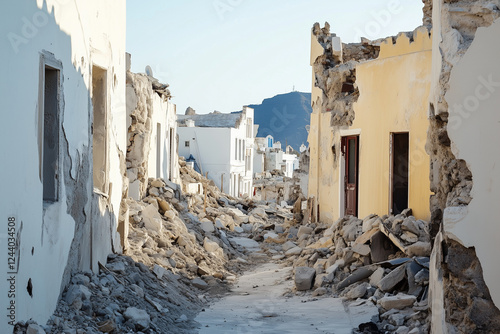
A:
x: 224, y: 54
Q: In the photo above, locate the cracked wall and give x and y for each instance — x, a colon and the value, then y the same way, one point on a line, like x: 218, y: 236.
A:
x: 71, y: 232
x: 345, y: 79
x: 464, y: 122
x: 152, y: 134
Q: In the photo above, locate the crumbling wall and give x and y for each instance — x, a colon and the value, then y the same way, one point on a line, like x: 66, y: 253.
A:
x: 334, y: 92
x: 462, y: 299
x: 140, y: 111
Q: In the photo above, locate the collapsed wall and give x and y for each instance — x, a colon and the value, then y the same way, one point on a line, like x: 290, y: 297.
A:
x: 462, y: 177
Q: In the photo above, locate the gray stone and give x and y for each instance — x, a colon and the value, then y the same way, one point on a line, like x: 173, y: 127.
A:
x: 35, y: 329
x: 118, y: 267
x: 392, y: 279
x: 294, y: 251
x: 419, y: 248
x: 377, y: 276
x: 361, y: 249
x: 207, y: 226
x: 357, y: 291
x: 77, y: 292
x: 139, y: 317
x: 319, y: 292
x: 399, y: 302
x: 199, y: 283
x: 238, y: 229
x: 288, y: 245
x: 304, y: 230
x: 304, y: 278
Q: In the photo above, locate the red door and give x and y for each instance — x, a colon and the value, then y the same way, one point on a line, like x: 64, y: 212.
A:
x: 350, y: 147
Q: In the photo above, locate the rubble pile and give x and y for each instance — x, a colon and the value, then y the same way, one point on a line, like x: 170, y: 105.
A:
x: 182, y: 247
x: 379, y: 260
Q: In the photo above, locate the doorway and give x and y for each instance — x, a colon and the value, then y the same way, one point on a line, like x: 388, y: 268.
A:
x: 99, y: 129
x: 350, y: 150
x: 399, y: 172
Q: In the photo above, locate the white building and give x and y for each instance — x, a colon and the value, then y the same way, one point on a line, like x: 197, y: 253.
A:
x: 152, y: 129
x: 269, y: 156
x: 63, y: 147
x: 222, y: 145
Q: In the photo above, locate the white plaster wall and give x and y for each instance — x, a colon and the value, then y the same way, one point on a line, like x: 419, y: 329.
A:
x: 73, y: 31
x: 474, y: 128
x: 211, y: 147
x: 214, y: 150
x: 163, y: 113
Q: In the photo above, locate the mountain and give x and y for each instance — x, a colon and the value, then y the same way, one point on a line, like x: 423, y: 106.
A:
x: 284, y: 117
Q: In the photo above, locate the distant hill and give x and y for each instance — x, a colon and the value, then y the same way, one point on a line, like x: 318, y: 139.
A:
x: 284, y: 117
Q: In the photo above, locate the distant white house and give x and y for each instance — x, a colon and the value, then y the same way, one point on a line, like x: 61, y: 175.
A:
x: 269, y: 156
x: 222, y: 145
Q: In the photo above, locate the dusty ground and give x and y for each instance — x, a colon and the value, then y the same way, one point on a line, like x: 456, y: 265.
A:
x: 260, y: 302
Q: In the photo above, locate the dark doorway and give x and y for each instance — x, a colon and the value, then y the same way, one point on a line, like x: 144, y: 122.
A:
x: 99, y: 128
x: 350, y: 148
x: 400, y: 164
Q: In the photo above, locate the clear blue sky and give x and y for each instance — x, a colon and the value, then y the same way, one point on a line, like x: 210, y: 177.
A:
x: 223, y: 54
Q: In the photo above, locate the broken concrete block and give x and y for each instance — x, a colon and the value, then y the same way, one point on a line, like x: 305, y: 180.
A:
x: 77, y: 292
x: 377, y: 276
x: 207, y: 226
x: 369, y: 222
x: 139, y: 318
x: 35, y: 329
x: 288, y: 245
x: 419, y: 248
x: 294, y: 251
x: 152, y: 219
x: 199, y: 283
x: 399, y: 302
x: 356, y: 276
x: 210, y: 246
x: 357, y: 291
x: 361, y: 249
x: 304, y: 230
x: 304, y: 278
x: 392, y: 279
x: 158, y: 183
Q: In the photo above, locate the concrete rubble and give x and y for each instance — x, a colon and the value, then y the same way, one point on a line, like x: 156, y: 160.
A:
x: 380, y: 261
x: 182, y: 247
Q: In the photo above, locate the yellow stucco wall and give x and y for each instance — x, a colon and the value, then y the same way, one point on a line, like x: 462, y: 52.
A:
x: 394, y: 89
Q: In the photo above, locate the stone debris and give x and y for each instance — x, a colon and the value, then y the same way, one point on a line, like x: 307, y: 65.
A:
x: 383, y: 261
x: 184, y: 246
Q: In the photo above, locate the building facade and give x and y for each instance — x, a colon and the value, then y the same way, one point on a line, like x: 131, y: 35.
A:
x: 152, y: 133
x: 66, y: 146
x: 369, y: 126
x: 222, y: 145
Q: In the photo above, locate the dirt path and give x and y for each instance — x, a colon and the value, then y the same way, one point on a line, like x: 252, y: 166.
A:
x: 256, y: 305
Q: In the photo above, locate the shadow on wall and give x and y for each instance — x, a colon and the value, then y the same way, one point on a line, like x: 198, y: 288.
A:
x: 57, y: 233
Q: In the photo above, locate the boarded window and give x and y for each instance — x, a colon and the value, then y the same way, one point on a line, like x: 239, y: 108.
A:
x: 50, y: 152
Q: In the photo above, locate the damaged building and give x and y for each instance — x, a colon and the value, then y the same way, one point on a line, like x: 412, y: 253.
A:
x: 65, y: 147
x: 427, y: 99
x: 221, y: 145
x: 369, y: 125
